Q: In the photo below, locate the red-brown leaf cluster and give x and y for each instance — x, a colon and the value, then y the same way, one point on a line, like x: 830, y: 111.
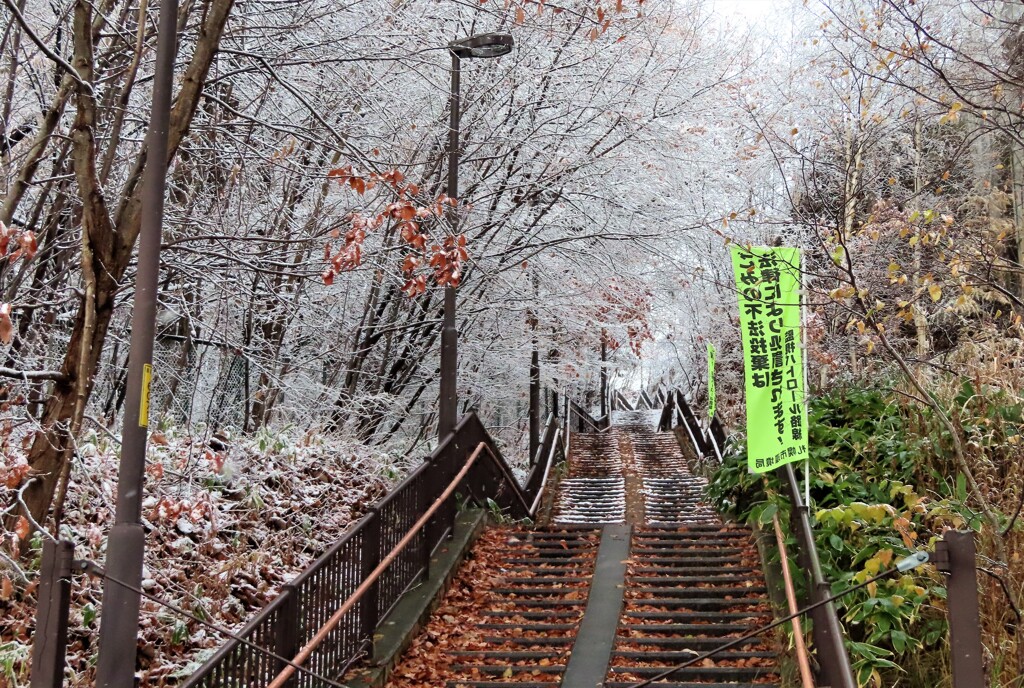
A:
x: 25, y: 241
x: 628, y: 305
x: 6, y: 324
x: 409, y: 217
x: 447, y: 260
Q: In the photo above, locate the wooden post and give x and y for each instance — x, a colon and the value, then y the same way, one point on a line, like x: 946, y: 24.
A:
x: 955, y: 556
x: 423, y: 502
x: 51, y: 637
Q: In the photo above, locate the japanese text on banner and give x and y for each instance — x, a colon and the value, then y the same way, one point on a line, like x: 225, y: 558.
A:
x: 768, y: 288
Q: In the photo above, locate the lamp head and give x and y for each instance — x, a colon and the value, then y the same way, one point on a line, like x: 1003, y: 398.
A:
x: 484, y: 45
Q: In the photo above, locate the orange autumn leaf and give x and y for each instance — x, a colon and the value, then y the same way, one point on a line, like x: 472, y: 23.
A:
x: 6, y: 325
x: 22, y: 528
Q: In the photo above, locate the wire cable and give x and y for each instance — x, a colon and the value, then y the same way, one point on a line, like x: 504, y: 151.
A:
x: 913, y: 561
x: 92, y: 568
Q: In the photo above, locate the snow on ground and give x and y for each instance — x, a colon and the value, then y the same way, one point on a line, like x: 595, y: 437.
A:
x: 224, y: 530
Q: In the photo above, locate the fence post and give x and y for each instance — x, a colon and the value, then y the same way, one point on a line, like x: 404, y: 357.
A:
x: 604, y: 375
x: 51, y: 637
x: 369, y: 558
x: 457, y: 456
x: 286, y: 630
x: 429, y: 529
x: 534, y: 402
x: 955, y: 556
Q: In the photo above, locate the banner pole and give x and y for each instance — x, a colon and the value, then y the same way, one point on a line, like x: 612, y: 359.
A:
x: 807, y: 381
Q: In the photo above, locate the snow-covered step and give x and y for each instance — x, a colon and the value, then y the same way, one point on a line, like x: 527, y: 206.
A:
x: 636, y: 420
x: 591, y: 500
x: 676, y: 500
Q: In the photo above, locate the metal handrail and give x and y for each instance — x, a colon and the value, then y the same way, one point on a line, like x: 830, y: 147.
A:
x: 585, y: 416
x: 645, y: 399
x: 540, y: 449
x: 307, y: 650
x: 283, y: 625
x: 547, y: 470
x: 802, y: 658
x: 828, y: 632
x: 503, y: 467
x: 618, y: 398
x: 710, y: 437
x: 835, y: 669
x: 674, y: 411
x: 689, y: 431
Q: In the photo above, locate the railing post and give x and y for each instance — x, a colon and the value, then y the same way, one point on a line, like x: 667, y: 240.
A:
x: 833, y: 661
x: 462, y: 444
x: 604, y: 375
x: 429, y: 530
x: 667, y: 411
x: 955, y: 556
x: 286, y: 631
x: 51, y: 637
x: 369, y: 558
x: 567, y: 420
x: 534, y: 401
x: 718, y: 432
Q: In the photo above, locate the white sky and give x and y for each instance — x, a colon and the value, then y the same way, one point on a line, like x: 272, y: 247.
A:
x: 749, y: 8
x: 754, y: 12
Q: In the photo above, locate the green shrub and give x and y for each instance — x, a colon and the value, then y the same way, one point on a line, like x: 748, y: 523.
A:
x: 876, y: 497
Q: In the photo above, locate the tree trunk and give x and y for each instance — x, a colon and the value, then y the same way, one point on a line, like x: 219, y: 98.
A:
x: 107, y: 251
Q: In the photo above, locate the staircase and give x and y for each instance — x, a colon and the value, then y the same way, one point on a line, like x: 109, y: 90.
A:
x: 689, y: 589
x: 636, y: 574
x: 526, y: 632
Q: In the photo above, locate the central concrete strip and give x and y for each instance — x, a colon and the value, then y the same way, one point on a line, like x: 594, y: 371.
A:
x: 592, y: 651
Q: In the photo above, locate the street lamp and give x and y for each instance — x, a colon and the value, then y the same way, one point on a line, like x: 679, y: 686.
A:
x: 485, y: 45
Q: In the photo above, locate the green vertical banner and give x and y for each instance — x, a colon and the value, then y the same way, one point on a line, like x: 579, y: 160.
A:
x: 712, y: 401
x: 768, y: 289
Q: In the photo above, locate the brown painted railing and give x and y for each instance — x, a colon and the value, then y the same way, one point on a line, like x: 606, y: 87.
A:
x: 620, y: 402
x: 645, y: 402
x: 306, y: 606
x: 833, y: 660
x: 581, y: 421
x: 676, y: 412
x: 803, y: 658
x: 551, y: 450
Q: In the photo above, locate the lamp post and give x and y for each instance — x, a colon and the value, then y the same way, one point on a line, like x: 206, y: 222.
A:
x: 119, y: 623
x: 485, y: 45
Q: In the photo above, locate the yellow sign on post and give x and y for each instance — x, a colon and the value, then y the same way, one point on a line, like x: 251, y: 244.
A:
x: 147, y: 378
x: 768, y: 290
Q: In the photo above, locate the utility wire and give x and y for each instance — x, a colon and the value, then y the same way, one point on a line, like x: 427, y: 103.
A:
x: 913, y: 561
x: 92, y: 568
